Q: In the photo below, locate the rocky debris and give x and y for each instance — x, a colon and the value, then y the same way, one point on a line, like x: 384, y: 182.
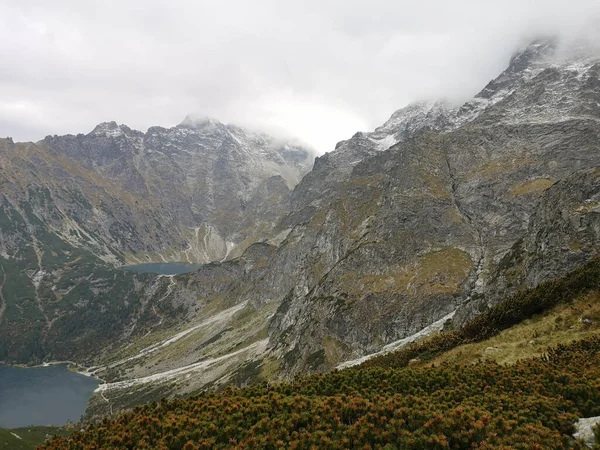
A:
x: 491, y: 350
x: 585, y: 430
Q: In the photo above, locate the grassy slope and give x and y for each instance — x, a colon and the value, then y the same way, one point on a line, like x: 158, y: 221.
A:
x: 31, y: 437
x: 561, y: 325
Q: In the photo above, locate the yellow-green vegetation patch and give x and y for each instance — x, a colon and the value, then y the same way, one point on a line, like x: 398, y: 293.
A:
x: 363, y: 211
x: 490, y: 169
x: 531, y: 187
x: 318, y: 268
x: 318, y: 220
x: 437, y: 272
x: 587, y: 207
x: 270, y: 368
x: 436, y: 185
x: 443, y: 271
x: 367, y: 180
x: 335, y: 350
x: 453, y: 215
x: 561, y: 325
x: 575, y: 245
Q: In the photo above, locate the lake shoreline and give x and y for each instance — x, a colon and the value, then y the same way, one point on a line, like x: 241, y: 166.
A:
x: 72, y: 366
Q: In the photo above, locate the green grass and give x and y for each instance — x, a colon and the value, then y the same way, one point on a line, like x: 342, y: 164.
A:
x: 31, y: 437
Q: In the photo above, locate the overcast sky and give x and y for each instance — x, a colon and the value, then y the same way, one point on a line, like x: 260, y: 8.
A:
x: 319, y: 70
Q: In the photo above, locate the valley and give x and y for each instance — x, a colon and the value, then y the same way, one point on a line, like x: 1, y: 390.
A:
x: 404, y: 397
x: 454, y: 245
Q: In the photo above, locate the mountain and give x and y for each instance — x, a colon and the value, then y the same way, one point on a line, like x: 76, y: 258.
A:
x: 384, y: 245
x: 73, y: 208
x: 416, y: 235
x: 421, y: 225
x: 199, y: 192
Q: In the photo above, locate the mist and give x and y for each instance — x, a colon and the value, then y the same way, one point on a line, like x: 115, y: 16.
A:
x: 315, y: 70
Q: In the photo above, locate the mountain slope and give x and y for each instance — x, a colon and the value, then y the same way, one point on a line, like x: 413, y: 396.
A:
x: 381, y: 244
x: 410, y: 235
x: 197, y: 192
x: 384, y: 402
x: 445, y: 407
x: 74, y: 207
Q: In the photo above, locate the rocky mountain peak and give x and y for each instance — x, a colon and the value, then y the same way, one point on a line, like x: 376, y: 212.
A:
x: 537, y: 51
x: 404, y: 122
x: 107, y: 129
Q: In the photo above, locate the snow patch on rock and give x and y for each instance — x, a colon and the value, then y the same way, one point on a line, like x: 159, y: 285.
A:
x: 396, y: 345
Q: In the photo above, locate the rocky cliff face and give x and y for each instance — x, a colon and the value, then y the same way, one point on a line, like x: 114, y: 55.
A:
x: 563, y: 234
x: 405, y: 237
x: 199, y: 192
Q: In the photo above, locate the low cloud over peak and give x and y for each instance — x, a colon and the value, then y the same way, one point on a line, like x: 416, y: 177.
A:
x: 317, y: 70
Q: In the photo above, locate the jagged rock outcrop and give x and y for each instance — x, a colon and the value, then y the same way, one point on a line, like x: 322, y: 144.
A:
x: 585, y: 430
x: 563, y: 234
x: 199, y: 192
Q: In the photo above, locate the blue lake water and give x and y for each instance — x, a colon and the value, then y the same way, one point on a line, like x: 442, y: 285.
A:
x: 42, y: 396
x: 163, y: 268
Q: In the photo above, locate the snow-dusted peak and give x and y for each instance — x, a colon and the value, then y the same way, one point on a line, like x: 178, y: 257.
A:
x: 401, y: 126
x: 578, y: 56
x: 107, y: 129
x: 406, y: 121
x: 538, y: 52
x: 416, y: 115
x: 548, y: 80
x: 400, y: 116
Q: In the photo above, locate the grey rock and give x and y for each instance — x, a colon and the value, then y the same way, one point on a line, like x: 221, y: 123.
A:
x: 585, y: 430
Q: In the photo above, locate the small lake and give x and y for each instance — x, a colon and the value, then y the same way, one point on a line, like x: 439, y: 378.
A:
x: 163, y: 268
x: 42, y: 396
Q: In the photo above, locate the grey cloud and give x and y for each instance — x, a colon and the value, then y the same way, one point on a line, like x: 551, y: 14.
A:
x: 319, y: 70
